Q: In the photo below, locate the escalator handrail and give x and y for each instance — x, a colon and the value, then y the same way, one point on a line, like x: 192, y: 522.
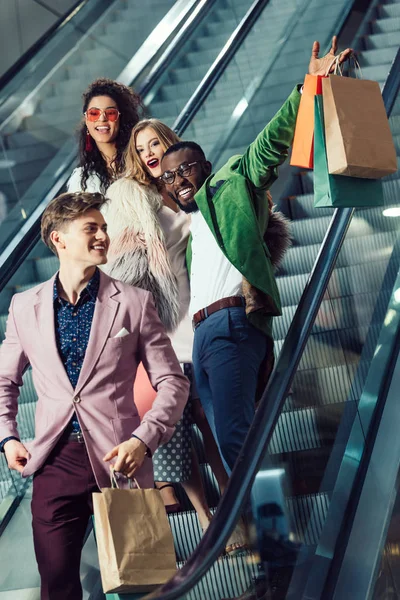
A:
x: 259, y: 436
x: 218, y: 67
x: 181, y: 37
x: 40, y: 43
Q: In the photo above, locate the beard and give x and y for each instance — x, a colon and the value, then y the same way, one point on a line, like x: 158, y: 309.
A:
x: 188, y: 208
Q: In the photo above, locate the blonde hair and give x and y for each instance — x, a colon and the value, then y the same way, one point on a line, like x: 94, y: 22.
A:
x: 134, y: 166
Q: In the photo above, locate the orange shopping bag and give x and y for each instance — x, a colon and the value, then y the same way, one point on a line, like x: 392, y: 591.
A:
x: 303, y: 143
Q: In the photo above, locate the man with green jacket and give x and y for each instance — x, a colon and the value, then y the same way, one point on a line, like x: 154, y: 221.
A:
x: 234, y: 295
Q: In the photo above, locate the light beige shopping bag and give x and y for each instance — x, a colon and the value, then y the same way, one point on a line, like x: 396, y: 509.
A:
x: 134, y: 539
x: 359, y: 142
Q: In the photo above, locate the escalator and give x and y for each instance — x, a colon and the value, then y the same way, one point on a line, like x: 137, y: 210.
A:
x: 311, y: 408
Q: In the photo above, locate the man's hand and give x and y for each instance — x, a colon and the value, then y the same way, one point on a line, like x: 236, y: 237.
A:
x: 16, y: 454
x: 320, y: 66
x: 130, y: 456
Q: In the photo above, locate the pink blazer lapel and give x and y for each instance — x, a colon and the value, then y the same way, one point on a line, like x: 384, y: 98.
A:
x: 44, y: 313
x: 103, y: 319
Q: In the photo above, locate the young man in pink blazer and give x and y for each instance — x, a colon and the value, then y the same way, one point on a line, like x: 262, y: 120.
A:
x: 84, y: 334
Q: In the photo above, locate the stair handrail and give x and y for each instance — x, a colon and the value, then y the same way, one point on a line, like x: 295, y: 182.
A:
x: 259, y: 436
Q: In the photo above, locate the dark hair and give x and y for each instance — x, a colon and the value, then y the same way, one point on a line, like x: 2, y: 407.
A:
x: 64, y: 209
x: 182, y: 145
x: 130, y: 106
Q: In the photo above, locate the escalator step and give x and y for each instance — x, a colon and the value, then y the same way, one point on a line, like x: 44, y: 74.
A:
x: 319, y: 387
x: 389, y: 10
x: 382, y: 40
x: 308, y: 516
x: 229, y: 577
x: 387, y: 25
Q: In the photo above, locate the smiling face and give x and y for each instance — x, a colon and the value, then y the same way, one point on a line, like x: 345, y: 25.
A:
x: 184, y: 188
x: 102, y: 130
x: 150, y: 150
x: 84, y: 240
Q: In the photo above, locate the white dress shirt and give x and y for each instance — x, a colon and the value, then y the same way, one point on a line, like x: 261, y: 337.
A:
x: 212, y: 276
x: 176, y: 231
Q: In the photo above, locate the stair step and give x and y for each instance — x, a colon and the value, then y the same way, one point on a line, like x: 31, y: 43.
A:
x: 335, y: 348
x: 388, y: 25
x: 228, y: 577
x: 389, y: 10
x: 337, y: 312
x: 354, y: 251
x: 376, y: 72
x: 381, y: 40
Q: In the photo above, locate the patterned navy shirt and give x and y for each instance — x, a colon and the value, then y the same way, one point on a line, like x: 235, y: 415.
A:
x: 72, y: 325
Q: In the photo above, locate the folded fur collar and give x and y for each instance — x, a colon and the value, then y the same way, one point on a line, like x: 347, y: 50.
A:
x: 278, y: 237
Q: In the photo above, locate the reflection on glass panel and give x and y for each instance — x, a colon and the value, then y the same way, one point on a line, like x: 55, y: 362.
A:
x: 387, y: 585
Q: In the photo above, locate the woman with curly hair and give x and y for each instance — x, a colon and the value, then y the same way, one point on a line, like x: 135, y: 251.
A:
x: 110, y: 112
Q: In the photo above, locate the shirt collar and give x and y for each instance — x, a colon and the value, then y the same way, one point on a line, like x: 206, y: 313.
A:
x: 91, y: 289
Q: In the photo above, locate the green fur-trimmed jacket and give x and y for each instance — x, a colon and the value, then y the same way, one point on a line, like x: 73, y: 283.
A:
x: 234, y: 204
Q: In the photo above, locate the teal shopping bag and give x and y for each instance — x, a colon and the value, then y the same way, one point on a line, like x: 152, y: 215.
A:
x: 338, y: 191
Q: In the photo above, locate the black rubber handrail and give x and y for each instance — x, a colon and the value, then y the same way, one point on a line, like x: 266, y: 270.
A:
x: 40, y: 43
x: 257, y: 441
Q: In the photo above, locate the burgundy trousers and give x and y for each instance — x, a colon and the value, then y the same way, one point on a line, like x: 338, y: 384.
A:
x: 61, y: 508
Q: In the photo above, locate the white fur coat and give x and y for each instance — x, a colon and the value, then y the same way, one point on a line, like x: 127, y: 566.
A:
x: 138, y: 253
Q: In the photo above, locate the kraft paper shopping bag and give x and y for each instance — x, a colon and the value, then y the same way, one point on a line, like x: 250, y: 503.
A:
x: 359, y: 142
x: 134, y: 539
x: 335, y: 190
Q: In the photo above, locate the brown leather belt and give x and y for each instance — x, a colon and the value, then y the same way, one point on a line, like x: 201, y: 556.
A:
x: 203, y: 313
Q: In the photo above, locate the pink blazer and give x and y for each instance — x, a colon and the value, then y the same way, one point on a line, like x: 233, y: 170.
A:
x: 103, y: 398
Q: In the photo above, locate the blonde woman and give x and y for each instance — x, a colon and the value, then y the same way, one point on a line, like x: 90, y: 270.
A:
x: 149, y: 236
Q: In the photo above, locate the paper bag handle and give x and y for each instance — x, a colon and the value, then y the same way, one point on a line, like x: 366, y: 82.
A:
x: 114, y: 482
x: 339, y: 68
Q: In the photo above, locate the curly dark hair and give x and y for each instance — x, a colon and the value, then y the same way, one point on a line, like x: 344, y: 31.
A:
x: 130, y: 106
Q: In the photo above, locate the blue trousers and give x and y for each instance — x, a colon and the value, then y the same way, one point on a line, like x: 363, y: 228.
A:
x: 227, y: 355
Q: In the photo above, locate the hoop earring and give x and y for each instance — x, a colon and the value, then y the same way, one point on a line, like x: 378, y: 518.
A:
x: 88, y: 143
